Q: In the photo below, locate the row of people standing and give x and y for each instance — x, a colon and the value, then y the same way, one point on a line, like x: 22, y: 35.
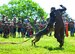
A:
x: 23, y: 27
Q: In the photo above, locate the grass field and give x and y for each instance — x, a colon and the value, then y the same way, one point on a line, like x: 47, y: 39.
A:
x: 47, y: 45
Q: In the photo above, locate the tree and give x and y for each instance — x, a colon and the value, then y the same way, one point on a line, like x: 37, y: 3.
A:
x: 67, y: 17
x: 22, y: 8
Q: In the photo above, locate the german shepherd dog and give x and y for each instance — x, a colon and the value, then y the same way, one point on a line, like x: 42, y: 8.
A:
x: 39, y: 34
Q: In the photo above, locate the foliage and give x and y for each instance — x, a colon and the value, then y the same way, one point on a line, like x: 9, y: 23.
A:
x: 67, y: 17
x: 22, y: 8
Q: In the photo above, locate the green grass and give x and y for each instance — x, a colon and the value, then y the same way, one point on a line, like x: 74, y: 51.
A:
x: 47, y: 45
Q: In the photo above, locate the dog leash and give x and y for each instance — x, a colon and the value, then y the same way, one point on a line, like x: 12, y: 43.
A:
x: 15, y: 42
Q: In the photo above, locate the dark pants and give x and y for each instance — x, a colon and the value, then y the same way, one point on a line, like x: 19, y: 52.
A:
x: 72, y: 31
x: 59, y: 34
x: 6, y: 34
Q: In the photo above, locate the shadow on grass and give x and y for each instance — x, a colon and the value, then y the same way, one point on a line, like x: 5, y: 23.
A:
x: 50, y: 48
